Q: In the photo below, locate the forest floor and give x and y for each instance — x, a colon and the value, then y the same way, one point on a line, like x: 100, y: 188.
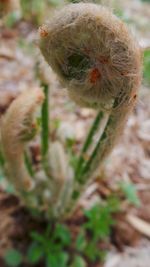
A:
x: 129, y: 162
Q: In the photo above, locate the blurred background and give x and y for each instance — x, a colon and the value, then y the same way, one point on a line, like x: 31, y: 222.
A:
x: 128, y: 166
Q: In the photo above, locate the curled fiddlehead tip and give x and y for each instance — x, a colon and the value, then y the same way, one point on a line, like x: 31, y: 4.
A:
x: 93, y: 53
x: 17, y: 127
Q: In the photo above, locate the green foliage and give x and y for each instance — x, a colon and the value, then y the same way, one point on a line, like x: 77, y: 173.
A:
x: 13, y: 258
x: 12, y: 18
x: 57, y: 260
x: 78, y: 1
x: 26, y: 46
x: 33, y: 10
x: 1, y: 177
x: 55, y: 123
x: 9, y: 187
x: 50, y: 246
x: 55, y: 2
x: 146, y: 71
x: 35, y: 253
x: 99, y: 221
x: 74, y: 1
x: 130, y: 192
x: 73, y: 159
x: 96, y: 228
x: 78, y: 262
x: 81, y: 241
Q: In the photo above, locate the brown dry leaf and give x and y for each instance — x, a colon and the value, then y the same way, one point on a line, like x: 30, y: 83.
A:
x: 139, y: 224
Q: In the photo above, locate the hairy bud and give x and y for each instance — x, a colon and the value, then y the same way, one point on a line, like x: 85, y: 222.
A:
x: 93, y: 54
x: 17, y: 128
x: 99, y: 62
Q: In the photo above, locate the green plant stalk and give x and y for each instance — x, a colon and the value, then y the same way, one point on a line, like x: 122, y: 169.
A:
x: 2, y: 161
x: 102, y: 148
x: 102, y: 138
x: 88, y: 142
x: 45, y: 126
x: 28, y: 164
x: 93, y: 156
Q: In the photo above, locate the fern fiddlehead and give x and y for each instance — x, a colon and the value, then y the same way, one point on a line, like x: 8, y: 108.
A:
x: 99, y: 62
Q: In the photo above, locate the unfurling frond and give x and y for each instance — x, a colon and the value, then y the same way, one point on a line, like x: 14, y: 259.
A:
x: 18, y: 126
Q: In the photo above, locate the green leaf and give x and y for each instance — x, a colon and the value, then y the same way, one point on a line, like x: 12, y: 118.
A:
x: 113, y: 203
x: 70, y: 142
x: 10, y: 189
x: 51, y: 261
x: 57, y: 260
x: 99, y: 221
x: 12, y: 18
x: 62, y: 233
x: 37, y: 237
x: 63, y: 259
x: 78, y: 262
x: 13, y: 258
x: 55, y: 123
x: 91, y: 251
x: 146, y: 71
x: 35, y: 253
x: 81, y: 242
x: 55, y: 2
x: 130, y: 192
x: 1, y: 177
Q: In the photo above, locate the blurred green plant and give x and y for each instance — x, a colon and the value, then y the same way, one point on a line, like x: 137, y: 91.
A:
x: 78, y: 261
x: 13, y: 258
x: 146, y: 71
x: 33, y: 10
x: 97, y: 227
x: 55, y: 2
x: 12, y: 18
x: 73, y: 158
x: 50, y: 246
x: 74, y: 1
x: 130, y: 193
x: 53, y: 245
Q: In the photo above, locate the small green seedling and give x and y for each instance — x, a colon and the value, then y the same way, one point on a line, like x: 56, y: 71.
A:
x: 13, y: 258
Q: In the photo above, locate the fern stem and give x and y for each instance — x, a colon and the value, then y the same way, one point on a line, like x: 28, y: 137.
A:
x: 2, y: 161
x: 28, y: 164
x: 88, y: 142
x: 88, y: 168
x: 45, y: 125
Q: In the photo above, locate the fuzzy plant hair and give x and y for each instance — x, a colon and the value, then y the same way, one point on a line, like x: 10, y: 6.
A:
x: 98, y: 61
x: 42, y: 191
x: 17, y: 128
x: 93, y: 54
